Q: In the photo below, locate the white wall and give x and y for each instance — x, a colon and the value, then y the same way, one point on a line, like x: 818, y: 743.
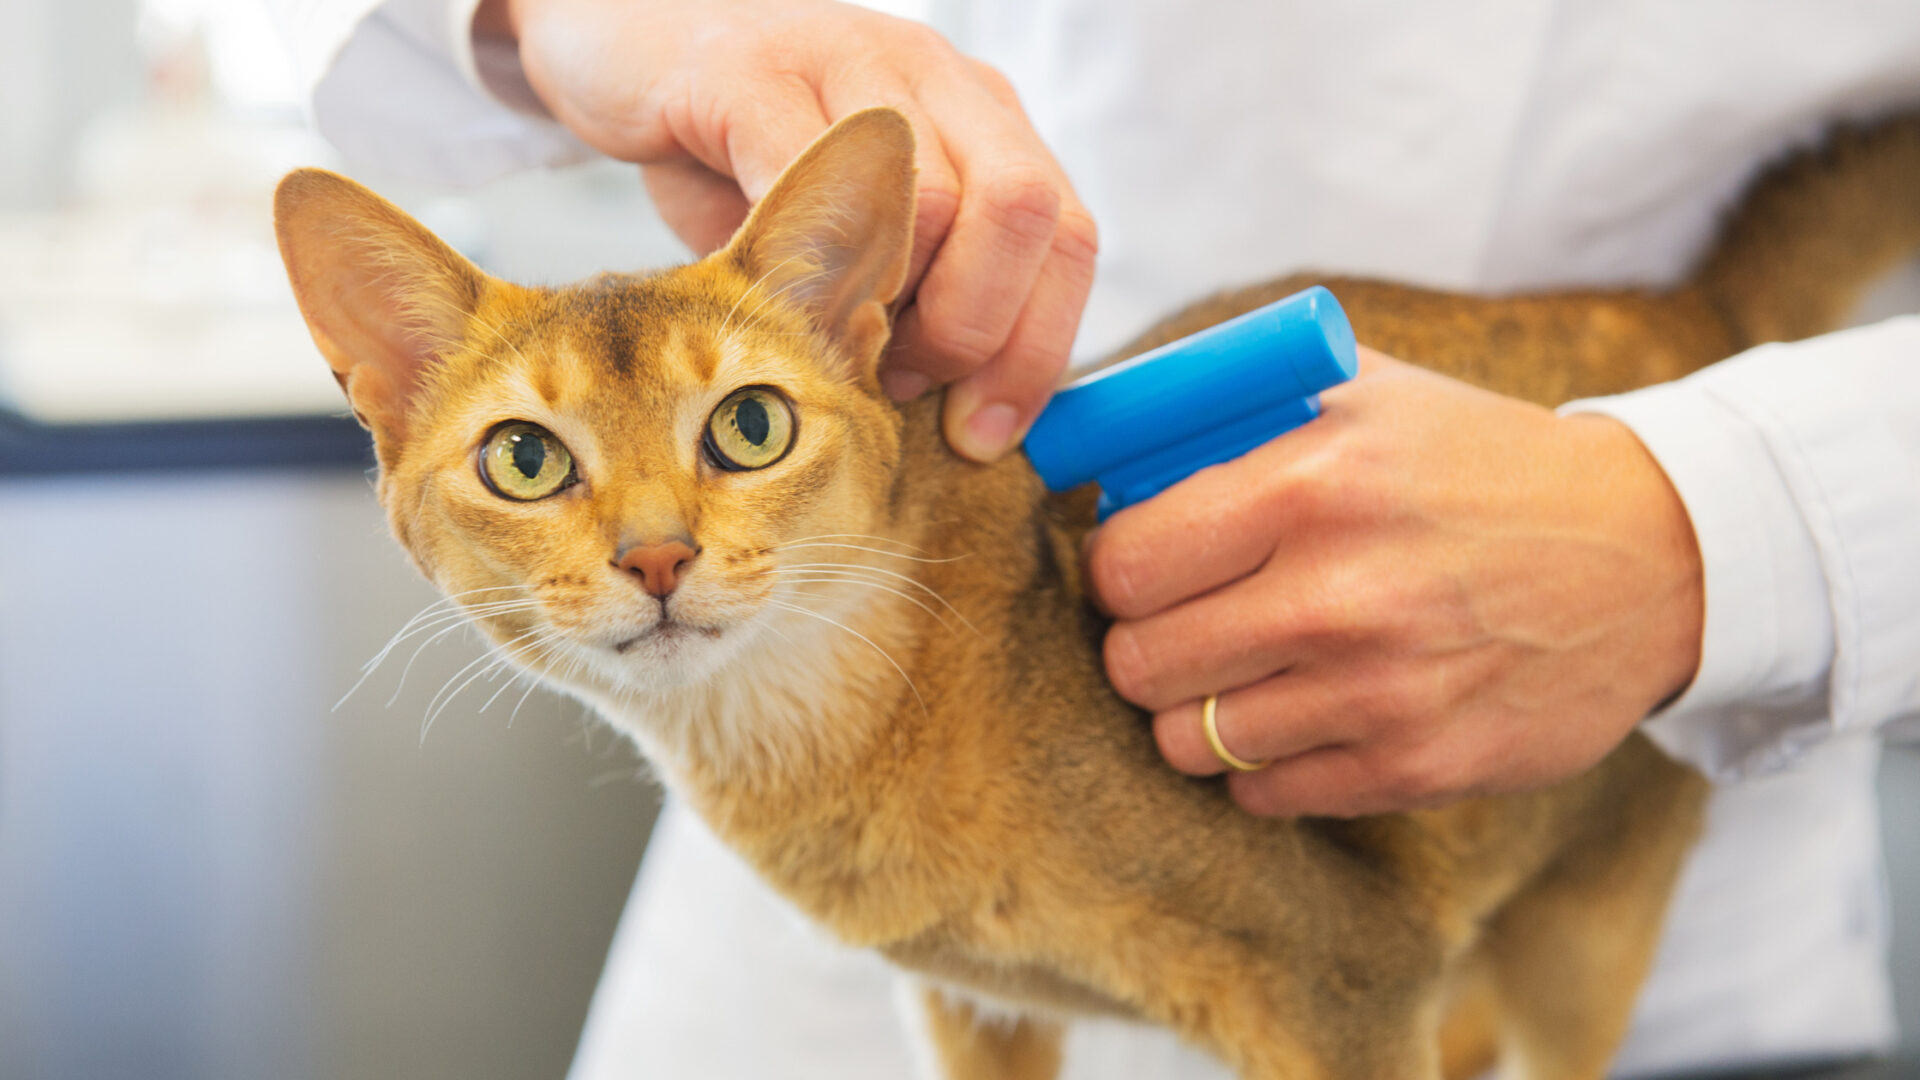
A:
x: 204, y: 873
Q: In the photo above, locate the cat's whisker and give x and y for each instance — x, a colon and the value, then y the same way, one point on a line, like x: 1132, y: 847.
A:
x: 803, y: 279
x: 451, y: 621
x: 495, y: 331
x: 541, y: 648
x: 488, y: 658
x: 428, y: 618
x: 876, y: 551
x: 498, y: 655
x: 854, y: 579
x: 728, y: 318
x: 909, y: 579
x: 441, y: 618
x: 405, y: 671
x: 533, y: 683
x: 514, y: 676
x: 846, y: 536
x: 781, y: 634
x: 453, y: 599
x: 884, y: 655
x: 432, y: 611
x: 608, y: 777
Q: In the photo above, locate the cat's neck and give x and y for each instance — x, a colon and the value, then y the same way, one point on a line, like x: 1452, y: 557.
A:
x: 808, y: 759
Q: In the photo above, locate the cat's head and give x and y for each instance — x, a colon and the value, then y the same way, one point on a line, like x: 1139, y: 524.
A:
x: 625, y: 480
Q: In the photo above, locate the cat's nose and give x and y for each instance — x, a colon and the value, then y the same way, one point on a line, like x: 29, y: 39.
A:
x: 658, y: 566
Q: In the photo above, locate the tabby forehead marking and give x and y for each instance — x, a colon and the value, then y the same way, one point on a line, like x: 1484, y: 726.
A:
x: 697, y: 353
x: 741, y: 364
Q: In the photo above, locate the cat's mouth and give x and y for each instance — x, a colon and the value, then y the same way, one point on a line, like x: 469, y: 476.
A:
x: 667, y: 631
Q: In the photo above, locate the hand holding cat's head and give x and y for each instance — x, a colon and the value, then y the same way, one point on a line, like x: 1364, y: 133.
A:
x: 614, y: 476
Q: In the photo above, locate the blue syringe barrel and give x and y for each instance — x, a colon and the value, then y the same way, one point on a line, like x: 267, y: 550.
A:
x: 1142, y: 425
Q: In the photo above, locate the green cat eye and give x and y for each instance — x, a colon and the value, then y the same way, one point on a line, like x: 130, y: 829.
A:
x: 525, y: 462
x: 752, y: 429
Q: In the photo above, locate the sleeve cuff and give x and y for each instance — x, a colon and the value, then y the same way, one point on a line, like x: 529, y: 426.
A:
x: 393, y: 95
x: 1761, y: 692
x: 490, y: 66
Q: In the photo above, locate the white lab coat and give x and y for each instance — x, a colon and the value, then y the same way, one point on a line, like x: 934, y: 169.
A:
x: 1503, y: 144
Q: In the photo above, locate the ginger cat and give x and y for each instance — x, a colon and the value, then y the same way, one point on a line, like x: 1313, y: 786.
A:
x: 683, y: 498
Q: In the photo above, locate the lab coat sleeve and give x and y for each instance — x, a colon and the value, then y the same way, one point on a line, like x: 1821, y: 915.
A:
x: 399, y: 85
x: 1799, y: 465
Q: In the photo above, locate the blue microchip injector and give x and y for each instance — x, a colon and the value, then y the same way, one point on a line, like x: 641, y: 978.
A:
x: 1146, y: 423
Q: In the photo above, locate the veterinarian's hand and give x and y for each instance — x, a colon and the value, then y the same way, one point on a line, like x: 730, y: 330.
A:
x: 714, y: 99
x: 1429, y: 592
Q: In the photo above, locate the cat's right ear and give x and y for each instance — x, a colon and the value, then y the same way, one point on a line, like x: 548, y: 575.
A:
x: 834, y: 235
x: 382, y: 296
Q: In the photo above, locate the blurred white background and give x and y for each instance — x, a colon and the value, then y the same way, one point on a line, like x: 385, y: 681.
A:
x: 205, y: 871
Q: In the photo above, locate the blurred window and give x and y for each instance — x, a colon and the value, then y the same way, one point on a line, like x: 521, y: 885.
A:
x: 138, y: 276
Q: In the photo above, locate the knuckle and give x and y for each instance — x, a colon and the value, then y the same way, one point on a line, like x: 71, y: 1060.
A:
x: 1111, y: 572
x: 1402, y: 778
x: 1256, y: 795
x: 995, y: 81
x: 776, y: 57
x: 917, y: 37
x: 938, y: 205
x: 1307, y: 490
x: 1309, y: 617
x: 958, y: 337
x: 1388, y: 704
x: 1127, y: 665
x: 1172, y: 743
x: 1023, y: 200
x: 1076, y: 237
x: 1422, y: 775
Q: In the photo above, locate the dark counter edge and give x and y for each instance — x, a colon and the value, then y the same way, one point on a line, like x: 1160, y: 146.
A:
x: 28, y: 448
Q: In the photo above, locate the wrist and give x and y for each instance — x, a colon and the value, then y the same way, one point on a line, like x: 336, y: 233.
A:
x: 1643, y: 513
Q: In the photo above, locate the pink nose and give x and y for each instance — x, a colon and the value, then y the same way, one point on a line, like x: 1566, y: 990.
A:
x: 658, y: 566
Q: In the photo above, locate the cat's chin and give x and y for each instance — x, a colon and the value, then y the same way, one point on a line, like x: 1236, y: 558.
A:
x: 665, y: 638
x: 665, y: 656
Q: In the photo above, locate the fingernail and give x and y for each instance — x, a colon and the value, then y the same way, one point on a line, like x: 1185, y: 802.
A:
x: 989, y: 431
x: 904, y: 385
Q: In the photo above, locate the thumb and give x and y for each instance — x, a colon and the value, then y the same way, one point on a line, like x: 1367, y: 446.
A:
x: 760, y: 135
x: 702, y: 207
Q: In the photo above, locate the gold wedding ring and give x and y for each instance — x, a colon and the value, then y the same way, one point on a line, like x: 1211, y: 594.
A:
x: 1209, y: 723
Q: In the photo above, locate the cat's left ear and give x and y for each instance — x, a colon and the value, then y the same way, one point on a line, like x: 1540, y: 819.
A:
x: 382, y: 296
x: 834, y: 236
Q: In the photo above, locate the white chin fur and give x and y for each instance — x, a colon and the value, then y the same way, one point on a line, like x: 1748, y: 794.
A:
x: 762, y: 687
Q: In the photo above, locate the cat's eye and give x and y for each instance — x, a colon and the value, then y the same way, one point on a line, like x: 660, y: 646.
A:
x: 525, y: 462
x: 752, y: 429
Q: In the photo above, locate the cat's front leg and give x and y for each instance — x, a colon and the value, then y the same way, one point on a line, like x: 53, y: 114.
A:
x: 964, y: 1041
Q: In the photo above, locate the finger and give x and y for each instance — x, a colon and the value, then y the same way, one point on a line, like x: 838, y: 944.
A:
x: 702, y: 207
x: 1329, y: 781
x: 1234, y: 636
x: 1273, y: 720
x: 1376, y: 775
x: 996, y: 84
x: 759, y: 134
x: 974, y: 291
x: 1013, y: 199
x: 1193, y: 537
x: 936, y: 182
x: 989, y: 411
x: 936, y: 199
